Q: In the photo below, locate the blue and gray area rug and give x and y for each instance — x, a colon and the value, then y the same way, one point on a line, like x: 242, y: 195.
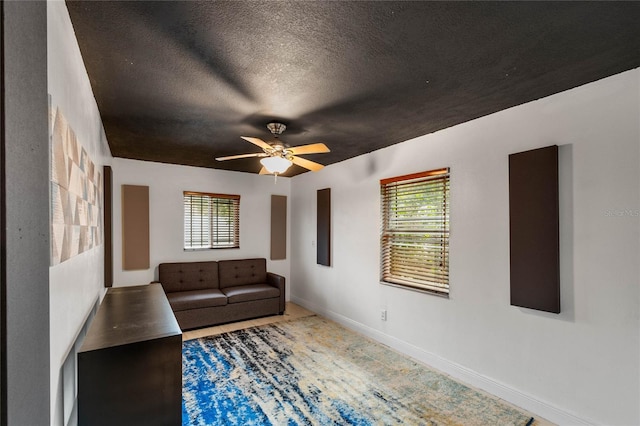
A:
x: 313, y: 371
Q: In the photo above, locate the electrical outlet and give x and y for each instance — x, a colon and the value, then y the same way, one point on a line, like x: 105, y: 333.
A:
x: 383, y: 315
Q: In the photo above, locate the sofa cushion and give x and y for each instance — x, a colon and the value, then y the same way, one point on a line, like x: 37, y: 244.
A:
x: 242, y: 272
x: 188, y: 276
x: 246, y: 293
x: 195, y: 299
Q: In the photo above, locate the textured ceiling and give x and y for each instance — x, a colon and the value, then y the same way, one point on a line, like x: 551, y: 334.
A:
x: 180, y: 82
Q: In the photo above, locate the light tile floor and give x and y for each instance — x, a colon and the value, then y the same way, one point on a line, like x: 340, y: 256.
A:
x: 291, y: 311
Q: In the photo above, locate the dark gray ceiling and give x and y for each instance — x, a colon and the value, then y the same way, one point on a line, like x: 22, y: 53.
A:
x: 180, y: 82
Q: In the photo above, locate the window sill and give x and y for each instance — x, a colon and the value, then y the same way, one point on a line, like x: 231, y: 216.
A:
x: 209, y: 248
x: 416, y: 289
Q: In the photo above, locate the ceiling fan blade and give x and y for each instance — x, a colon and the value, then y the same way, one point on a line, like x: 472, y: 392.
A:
x: 302, y: 162
x: 264, y: 171
x: 233, y: 157
x: 262, y: 144
x: 314, y: 148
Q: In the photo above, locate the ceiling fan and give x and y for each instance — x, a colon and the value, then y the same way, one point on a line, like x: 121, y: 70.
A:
x: 277, y: 157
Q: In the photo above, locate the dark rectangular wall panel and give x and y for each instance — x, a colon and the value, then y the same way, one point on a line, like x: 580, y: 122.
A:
x: 278, y: 227
x: 534, y: 229
x: 108, y: 222
x: 135, y: 227
x: 324, y: 227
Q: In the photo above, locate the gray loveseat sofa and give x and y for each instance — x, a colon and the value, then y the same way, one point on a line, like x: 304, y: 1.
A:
x: 208, y: 293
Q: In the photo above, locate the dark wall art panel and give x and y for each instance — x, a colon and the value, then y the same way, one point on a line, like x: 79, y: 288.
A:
x: 135, y: 227
x: 278, y: 227
x: 324, y: 227
x: 108, y: 223
x: 534, y: 229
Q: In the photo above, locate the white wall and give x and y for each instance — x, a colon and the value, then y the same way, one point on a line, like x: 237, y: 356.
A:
x: 581, y: 366
x: 166, y: 216
x: 77, y: 284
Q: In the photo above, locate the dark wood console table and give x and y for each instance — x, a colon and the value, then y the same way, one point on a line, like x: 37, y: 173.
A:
x: 130, y: 363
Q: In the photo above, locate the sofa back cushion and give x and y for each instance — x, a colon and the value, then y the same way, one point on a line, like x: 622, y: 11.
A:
x: 240, y: 272
x: 188, y: 276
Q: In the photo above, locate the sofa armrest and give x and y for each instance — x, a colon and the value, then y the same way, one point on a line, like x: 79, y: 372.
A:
x: 277, y: 281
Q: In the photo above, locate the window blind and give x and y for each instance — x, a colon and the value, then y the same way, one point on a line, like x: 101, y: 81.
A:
x: 415, y: 231
x: 211, y: 220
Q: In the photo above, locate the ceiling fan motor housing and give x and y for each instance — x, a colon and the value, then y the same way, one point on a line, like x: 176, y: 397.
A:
x: 276, y: 128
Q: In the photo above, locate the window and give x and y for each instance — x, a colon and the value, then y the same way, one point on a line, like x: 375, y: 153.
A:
x: 414, y: 242
x: 211, y: 221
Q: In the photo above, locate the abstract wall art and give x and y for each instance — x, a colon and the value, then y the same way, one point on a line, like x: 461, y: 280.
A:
x: 76, y: 194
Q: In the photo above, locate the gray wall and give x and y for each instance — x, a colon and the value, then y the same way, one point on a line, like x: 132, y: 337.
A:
x: 2, y: 240
x: 26, y: 169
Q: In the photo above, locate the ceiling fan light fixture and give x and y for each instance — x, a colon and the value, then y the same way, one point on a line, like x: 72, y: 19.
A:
x: 277, y: 165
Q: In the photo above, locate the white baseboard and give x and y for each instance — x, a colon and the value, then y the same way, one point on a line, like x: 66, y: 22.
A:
x: 459, y: 372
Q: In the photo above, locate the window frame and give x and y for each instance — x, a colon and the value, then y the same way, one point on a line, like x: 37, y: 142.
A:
x: 214, y: 241
x: 430, y: 230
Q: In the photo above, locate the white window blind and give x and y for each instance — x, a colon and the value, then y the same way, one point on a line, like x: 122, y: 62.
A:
x: 414, y: 238
x: 211, y: 220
